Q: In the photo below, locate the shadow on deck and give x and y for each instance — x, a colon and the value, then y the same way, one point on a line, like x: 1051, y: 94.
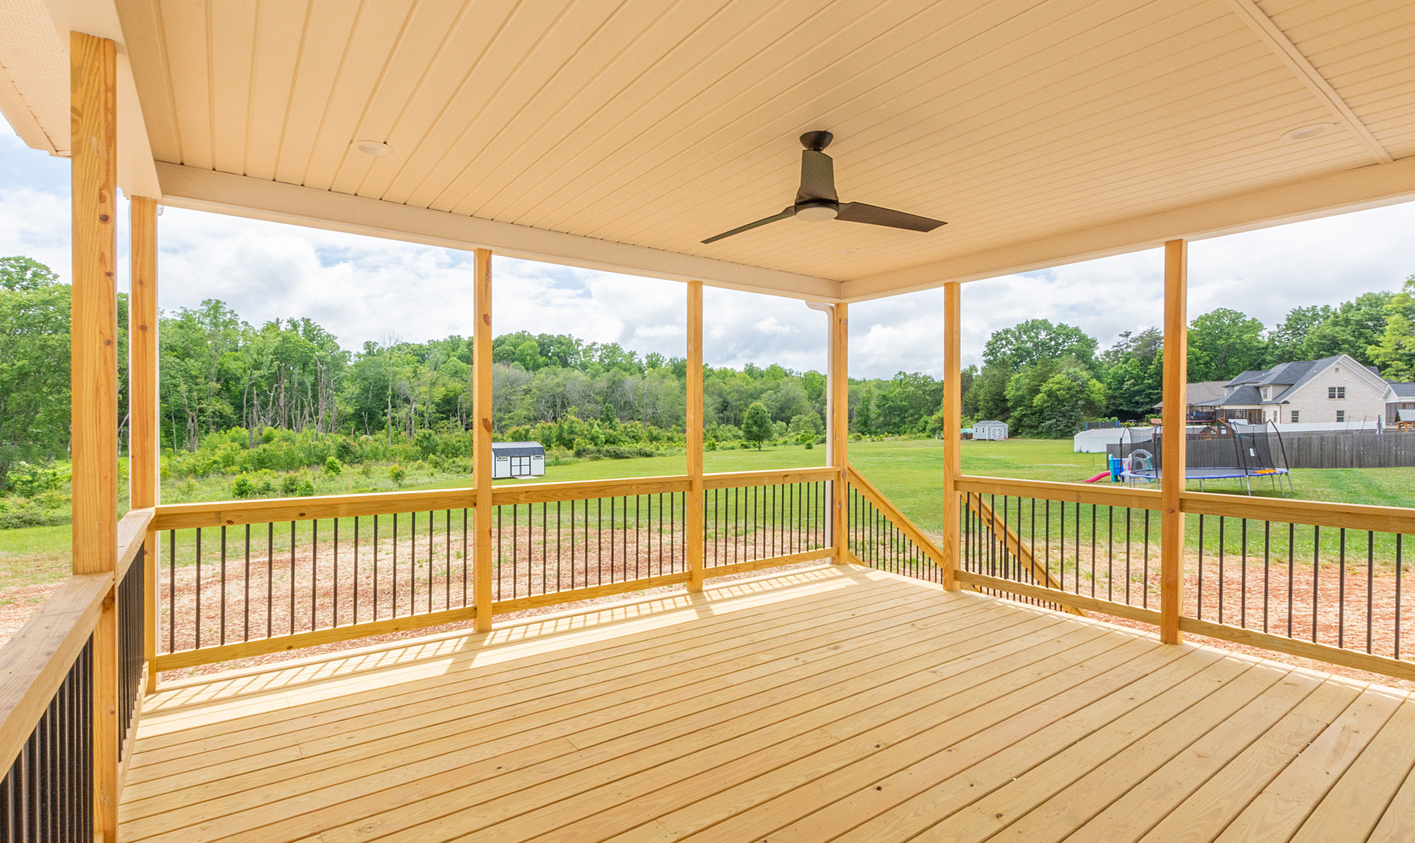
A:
x: 825, y: 704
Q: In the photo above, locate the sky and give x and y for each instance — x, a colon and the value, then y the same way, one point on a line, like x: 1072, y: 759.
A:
x: 364, y: 289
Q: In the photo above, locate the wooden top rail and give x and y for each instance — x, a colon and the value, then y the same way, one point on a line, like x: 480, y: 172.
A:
x: 230, y: 513
x: 35, y: 661
x: 588, y: 489
x: 132, y: 529
x: 1381, y: 519
x: 1069, y: 492
x: 770, y: 477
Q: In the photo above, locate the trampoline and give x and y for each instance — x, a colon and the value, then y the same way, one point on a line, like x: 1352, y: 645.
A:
x: 1224, y: 450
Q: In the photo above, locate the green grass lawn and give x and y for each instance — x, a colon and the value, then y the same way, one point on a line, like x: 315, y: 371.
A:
x: 906, y: 471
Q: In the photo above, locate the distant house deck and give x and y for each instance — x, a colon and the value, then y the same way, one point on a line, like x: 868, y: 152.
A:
x: 831, y: 703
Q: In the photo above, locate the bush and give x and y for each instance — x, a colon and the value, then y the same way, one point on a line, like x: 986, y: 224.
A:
x: 333, y: 467
x: 289, y: 485
x: 48, y: 509
x: 242, y: 488
x: 306, y: 488
x: 397, y: 474
x: 28, y: 480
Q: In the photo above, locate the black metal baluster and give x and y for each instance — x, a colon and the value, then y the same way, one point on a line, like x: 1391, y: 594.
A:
x: 292, y: 578
x: 246, y: 615
x: 545, y: 548
x: 515, y: 556
x: 172, y: 591
x: 1243, y: 572
x: 1222, y: 580
x: 611, y: 539
x: 1291, y: 572
x: 1341, y: 590
x: 375, y: 567
x: 1110, y: 553
x: 599, y: 538
x: 1316, y: 566
x: 1267, y: 574
x: 559, y: 545
x: 466, y: 557
x: 1370, y: 583
x: 1146, y: 601
x: 395, y: 565
x: 1129, y: 529
x: 356, y: 570
x: 1199, y: 598
x: 223, y: 584
x: 334, y: 621
x: 1399, y: 570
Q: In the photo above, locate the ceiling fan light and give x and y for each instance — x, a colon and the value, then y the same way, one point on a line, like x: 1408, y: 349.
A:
x: 817, y: 211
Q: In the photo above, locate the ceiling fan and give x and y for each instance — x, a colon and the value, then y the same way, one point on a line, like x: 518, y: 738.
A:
x: 816, y: 200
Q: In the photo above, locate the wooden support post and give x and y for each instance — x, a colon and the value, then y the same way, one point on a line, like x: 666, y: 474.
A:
x: 693, y: 518
x: 94, y: 375
x: 482, y: 563
x: 1175, y: 435
x: 838, y: 406
x: 952, y: 432
x: 144, y: 466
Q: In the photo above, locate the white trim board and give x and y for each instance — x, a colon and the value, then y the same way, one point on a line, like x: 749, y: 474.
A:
x: 224, y: 193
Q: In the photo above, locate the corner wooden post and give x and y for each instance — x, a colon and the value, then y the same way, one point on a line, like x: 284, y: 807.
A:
x: 839, y: 409
x: 1175, y: 435
x: 482, y: 563
x: 952, y: 431
x: 693, y: 517
x: 144, y: 466
x: 94, y: 375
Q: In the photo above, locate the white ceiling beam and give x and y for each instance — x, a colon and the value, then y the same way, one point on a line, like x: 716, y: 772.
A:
x: 1353, y: 190
x: 137, y: 173
x: 242, y: 196
x: 1287, y: 52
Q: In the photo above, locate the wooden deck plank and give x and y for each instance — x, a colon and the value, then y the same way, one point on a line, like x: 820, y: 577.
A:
x: 1142, y: 806
x: 1071, y: 807
x: 564, y: 677
x: 1287, y: 801
x: 1354, y: 805
x: 752, y: 711
x: 432, y: 797
x: 794, y: 792
x: 235, y: 802
x: 1205, y: 814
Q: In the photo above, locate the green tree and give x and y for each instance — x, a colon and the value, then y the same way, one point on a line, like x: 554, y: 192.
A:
x: 1036, y: 340
x: 756, y: 424
x: 1352, y: 328
x: 34, y: 363
x: 1224, y: 343
x: 1395, y: 352
x: 1064, y: 401
x: 1288, y: 341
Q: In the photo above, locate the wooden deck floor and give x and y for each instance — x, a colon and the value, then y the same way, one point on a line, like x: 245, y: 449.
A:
x: 825, y: 704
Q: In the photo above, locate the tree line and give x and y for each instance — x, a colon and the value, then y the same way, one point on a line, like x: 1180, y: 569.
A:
x: 290, y: 388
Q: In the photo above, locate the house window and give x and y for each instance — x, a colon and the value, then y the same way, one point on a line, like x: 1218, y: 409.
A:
x: 1336, y: 392
x: 1295, y: 414
x: 1341, y: 415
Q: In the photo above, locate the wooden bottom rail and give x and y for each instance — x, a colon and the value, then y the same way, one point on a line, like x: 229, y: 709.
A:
x: 1303, y: 649
x: 1072, y: 603
x: 246, y: 649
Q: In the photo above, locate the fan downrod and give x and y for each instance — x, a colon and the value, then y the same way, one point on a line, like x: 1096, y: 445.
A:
x: 816, y: 141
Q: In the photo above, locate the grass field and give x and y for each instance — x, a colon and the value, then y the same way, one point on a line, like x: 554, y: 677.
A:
x: 906, y: 471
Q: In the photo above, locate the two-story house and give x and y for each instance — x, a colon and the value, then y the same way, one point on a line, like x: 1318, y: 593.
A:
x: 1334, y: 389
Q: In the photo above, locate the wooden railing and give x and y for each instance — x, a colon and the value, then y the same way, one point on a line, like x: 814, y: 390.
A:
x: 1311, y: 579
x: 240, y: 579
x: 59, y: 705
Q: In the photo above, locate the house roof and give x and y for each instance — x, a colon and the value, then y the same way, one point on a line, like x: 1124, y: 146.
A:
x: 619, y: 134
x: 1402, y: 390
x: 1245, y: 390
x: 518, y: 449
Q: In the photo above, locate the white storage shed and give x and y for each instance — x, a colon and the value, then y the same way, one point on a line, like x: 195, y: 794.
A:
x: 990, y: 430
x: 517, y: 459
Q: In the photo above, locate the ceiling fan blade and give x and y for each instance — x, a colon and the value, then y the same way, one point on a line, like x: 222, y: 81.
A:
x: 875, y: 215
x: 789, y: 212
x: 817, y: 177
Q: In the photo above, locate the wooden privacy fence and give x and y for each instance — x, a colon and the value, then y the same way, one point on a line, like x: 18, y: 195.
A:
x: 1323, y: 449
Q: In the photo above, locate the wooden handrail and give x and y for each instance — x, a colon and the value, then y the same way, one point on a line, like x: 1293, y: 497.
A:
x: 891, y: 512
x: 132, y: 531
x: 35, y: 661
x: 230, y: 513
x: 586, y: 489
x: 769, y: 477
x: 1069, y: 492
x: 1380, y: 519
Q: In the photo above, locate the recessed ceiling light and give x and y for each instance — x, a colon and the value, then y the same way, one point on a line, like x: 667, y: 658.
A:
x: 849, y: 252
x: 377, y: 149
x: 1315, y: 130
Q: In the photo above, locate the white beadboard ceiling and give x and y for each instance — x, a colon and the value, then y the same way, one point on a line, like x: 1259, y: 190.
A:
x: 657, y: 123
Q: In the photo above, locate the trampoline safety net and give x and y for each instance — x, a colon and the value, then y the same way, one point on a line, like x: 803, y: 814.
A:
x: 1221, y: 450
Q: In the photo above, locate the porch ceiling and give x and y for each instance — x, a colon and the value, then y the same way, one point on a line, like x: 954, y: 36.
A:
x: 1041, y: 132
